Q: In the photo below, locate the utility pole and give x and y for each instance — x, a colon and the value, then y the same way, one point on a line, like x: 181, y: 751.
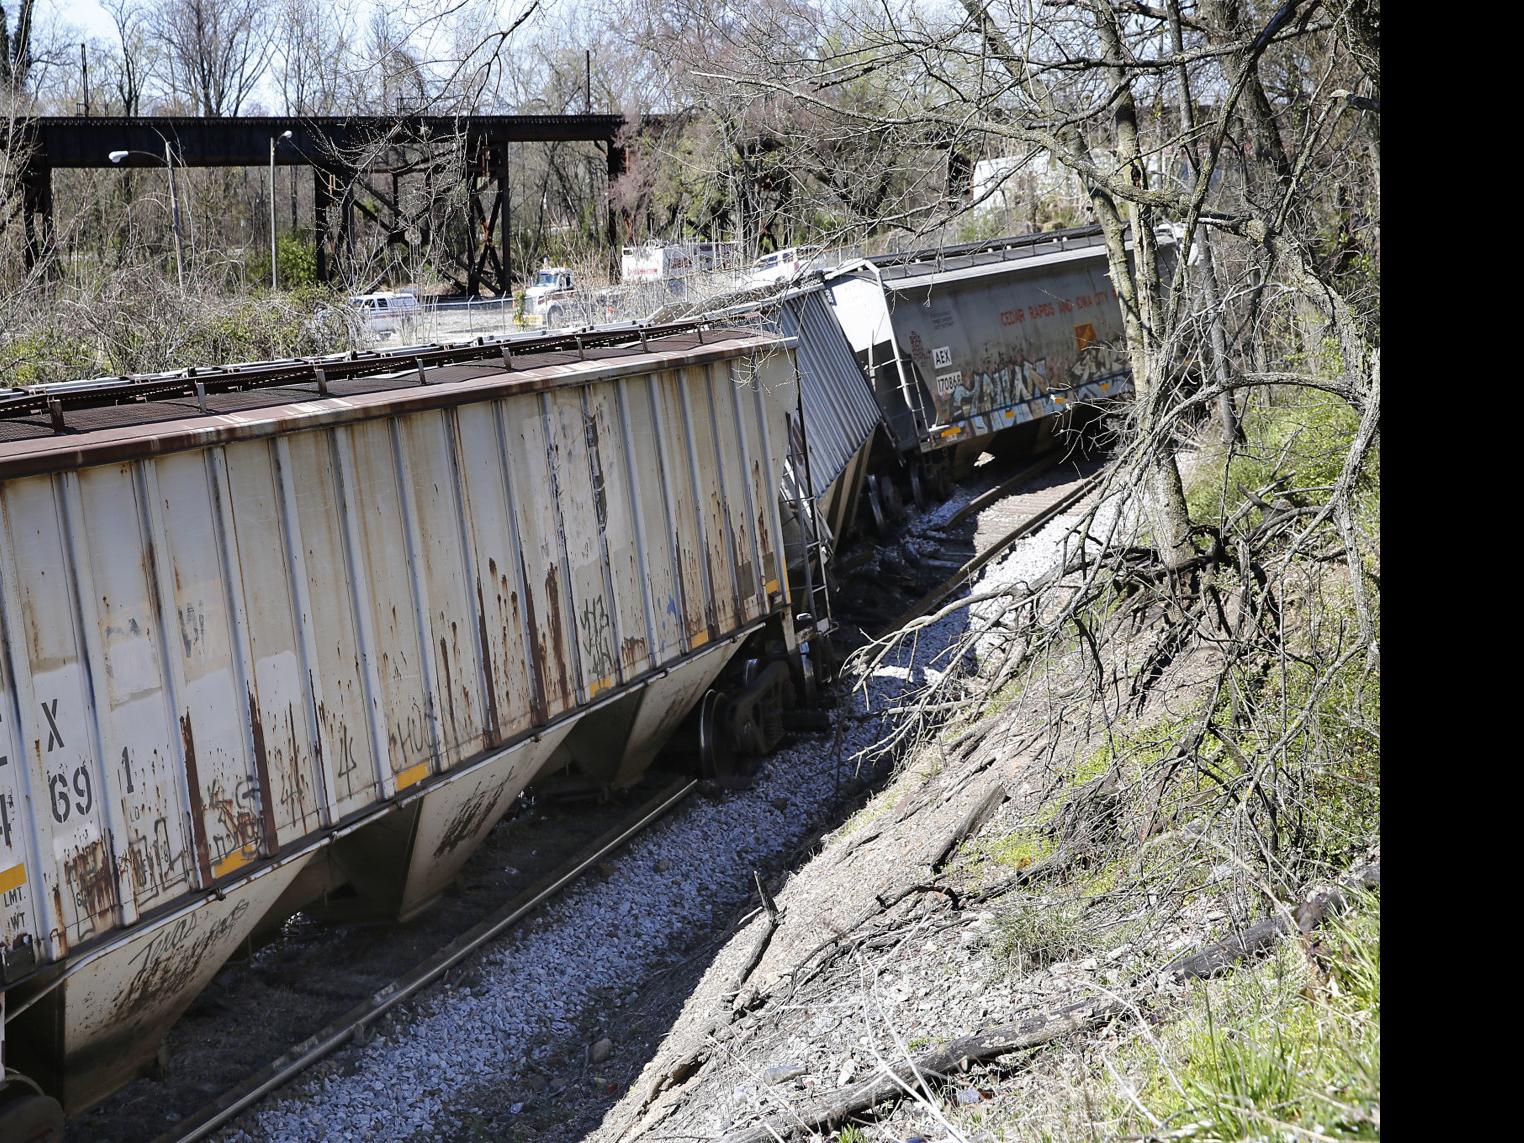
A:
x: 274, y: 139
x: 174, y: 216
x: 84, y: 74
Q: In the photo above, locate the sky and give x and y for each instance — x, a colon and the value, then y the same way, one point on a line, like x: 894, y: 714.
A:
x: 87, y: 15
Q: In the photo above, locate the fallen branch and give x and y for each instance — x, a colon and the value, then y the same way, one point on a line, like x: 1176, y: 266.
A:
x: 938, y: 1063
x: 934, y: 1064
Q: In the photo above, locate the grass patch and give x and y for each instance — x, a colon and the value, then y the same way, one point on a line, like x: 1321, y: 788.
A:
x: 1279, y: 1052
x: 1038, y: 934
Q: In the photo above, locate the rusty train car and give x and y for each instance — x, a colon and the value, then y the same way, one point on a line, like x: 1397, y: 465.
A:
x: 985, y: 344
x: 270, y: 631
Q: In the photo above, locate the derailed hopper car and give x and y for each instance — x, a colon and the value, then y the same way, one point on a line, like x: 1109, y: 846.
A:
x: 961, y: 343
x: 285, y: 632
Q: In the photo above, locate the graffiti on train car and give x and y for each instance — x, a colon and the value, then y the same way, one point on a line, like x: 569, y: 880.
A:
x: 171, y: 958
x: 91, y: 880
x: 336, y: 735
x: 151, y: 860
x: 597, y: 640
x: 1007, y: 346
x: 470, y: 818
x: 1005, y: 378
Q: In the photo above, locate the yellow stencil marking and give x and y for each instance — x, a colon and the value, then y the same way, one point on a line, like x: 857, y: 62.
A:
x: 235, y: 860
x: 699, y: 639
x: 12, y: 878
x: 412, y: 776
x: 771, y: 586
x: 597, y: 687
x: 946, y: 433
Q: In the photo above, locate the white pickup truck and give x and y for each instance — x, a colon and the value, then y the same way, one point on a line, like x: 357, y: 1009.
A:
x: 388, y: 312
x: 782, y: 266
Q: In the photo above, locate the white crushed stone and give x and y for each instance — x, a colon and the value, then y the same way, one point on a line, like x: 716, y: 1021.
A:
x: 433, y: 1056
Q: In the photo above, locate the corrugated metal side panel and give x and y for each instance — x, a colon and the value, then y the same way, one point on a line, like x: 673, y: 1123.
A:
x: 278, y: 706
x: 50, y: 677
x: 703, y: 455
x: 210, y: 655
x: 683, y: 517
x: 614, y: 504
x: 441, y: 572
x: 644, y: 449
x: 840, y: 413
x: 314, y: 518
x: 773, y: 394
x: 513, y: 700
x: 552, y: 641
x: 591, y: 608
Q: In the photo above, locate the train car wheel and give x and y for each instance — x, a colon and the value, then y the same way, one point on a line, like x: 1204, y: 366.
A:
x: 28, y: 1116
x: 894, y: 503
x: 918, y: 488
x: 876, y: 508
x: 719, y: 761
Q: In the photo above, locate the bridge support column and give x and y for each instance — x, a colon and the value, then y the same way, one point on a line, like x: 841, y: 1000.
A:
x: 322, y: 205
x: 615, y: 168
x: 488, y: 195
x: 37, y: 214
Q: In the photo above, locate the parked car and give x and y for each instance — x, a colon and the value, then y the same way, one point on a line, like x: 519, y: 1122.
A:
x: 387, y: 312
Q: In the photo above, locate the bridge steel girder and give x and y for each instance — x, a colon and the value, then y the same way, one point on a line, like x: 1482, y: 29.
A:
x: 330, y: 144
x: 244, y: 141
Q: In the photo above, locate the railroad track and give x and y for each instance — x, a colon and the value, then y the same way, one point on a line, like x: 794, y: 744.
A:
x: 1048, y: 508
x: 354, y: 1023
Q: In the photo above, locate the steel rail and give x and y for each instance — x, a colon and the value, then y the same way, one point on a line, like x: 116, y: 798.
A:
x: 334, y: 1035
x: 960, y: 578
x: 1000, y: 491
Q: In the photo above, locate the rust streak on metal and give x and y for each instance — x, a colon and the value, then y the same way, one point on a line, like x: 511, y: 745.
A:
x: 541, y: 700
x: 557, y: 637
x: 198, y: 811
x: 89, y: 875
x: 60, y: 935
x: 489, y: 680
x: 262, y: 769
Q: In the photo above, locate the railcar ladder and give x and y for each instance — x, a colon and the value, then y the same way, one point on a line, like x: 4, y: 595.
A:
x: 813, y: 534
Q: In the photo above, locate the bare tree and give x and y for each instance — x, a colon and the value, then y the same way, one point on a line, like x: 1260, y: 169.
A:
x: 16, y: 45
x: 314, y: 43
x: 215, y: 50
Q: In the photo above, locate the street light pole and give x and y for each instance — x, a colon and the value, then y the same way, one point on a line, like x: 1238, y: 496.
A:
x: 274, y: 139
x: 174, y: 203
x: 174, y: 216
